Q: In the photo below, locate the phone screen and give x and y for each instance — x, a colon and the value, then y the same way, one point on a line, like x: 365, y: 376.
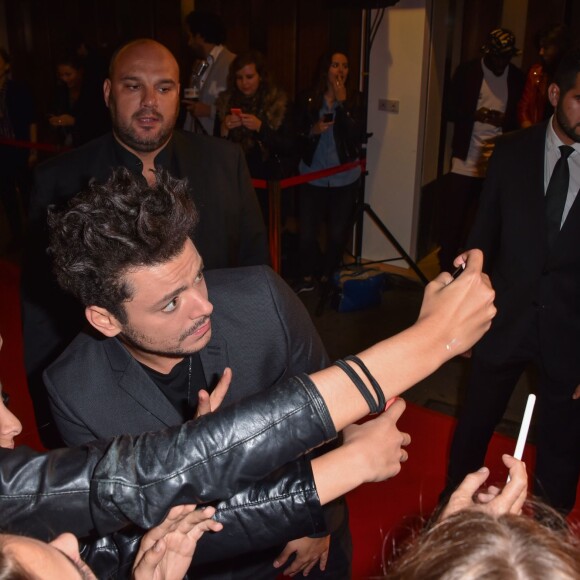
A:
x: 328, y: 117
x: 237, y: 112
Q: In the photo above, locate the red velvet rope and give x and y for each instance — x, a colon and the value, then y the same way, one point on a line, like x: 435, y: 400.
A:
x: 306, y: 177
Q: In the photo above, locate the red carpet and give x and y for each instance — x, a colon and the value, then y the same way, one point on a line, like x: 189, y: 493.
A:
x: 379, y: 513
x: 11, y: 358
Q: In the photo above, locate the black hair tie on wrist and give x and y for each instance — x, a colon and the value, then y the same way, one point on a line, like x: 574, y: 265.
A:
x: 359, y: 384
x: 380, y: 395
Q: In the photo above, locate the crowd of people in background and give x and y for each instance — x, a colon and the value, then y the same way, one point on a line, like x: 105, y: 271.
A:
x: 135, y: 207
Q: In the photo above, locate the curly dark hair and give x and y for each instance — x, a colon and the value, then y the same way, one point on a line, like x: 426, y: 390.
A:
x: 112, y: 227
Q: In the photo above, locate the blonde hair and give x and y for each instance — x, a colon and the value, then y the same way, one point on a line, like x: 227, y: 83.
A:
x: 473, y: 544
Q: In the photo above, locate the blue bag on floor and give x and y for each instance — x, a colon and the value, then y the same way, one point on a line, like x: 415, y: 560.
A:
x: 357, y: 289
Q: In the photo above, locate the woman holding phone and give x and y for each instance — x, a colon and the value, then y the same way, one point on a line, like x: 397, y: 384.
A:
x: 252, y: 111
x: 330, y: 129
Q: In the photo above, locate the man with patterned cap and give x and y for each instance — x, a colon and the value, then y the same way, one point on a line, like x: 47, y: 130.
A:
x: 482, y: 104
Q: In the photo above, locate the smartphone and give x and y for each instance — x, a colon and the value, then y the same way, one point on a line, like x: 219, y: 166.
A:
x: 236, y: 112
x: 328, y: 117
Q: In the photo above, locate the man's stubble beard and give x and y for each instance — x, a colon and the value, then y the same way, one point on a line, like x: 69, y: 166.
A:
x: 565, y: 126
x: 139, y: 341
x: 128, y: 136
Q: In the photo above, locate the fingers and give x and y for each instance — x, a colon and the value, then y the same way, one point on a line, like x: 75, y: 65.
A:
x: 487, y: 495
x: 461, y: 309
x: 283, y: 556
x: 203, y: 403
x: 509, y: 500
x: 146, y: 566
x: 396, y: 408
x: 218, y: 394
x: 323, y: 560
x: 462, y: 497
x: 308, y: 552
x: 513, y: 496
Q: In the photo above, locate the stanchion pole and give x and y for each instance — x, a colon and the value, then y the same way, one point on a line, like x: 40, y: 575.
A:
x: 274, y: 217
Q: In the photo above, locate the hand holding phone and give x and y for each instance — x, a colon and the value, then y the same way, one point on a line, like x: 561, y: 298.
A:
x: 236, y: 112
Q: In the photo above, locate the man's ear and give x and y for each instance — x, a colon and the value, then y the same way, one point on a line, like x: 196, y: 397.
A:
x: 554, y: 94
x: 107, y: 91
x: 103, y: 321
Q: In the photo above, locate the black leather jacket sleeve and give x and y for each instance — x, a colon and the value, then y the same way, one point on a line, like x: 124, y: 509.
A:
x: 281, y: 507
x: 104, y: 486
x: 348, y: 129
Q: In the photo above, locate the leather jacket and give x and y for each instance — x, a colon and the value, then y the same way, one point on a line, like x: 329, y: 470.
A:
x: 241, y: 452
x: 348, y: 130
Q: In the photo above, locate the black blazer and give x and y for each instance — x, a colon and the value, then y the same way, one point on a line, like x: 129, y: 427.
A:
x: 529, y: 280
x: 230, y: 231
x: 259, y: 328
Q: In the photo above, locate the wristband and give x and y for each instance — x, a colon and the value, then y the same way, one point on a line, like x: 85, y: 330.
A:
x: 380, y: 395
x: 359, y: 384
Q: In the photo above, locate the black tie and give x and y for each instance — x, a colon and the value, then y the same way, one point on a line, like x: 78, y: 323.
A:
x: 557, y: 193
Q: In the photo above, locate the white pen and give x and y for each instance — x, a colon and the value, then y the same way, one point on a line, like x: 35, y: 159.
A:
x: 521, y: 442
x: 523, y: 435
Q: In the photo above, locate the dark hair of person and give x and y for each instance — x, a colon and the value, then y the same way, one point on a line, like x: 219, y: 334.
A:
x: 111, y: 228
x: 567, y: 71
x: 250, y: 57
x: 473, y: 544
x: 208, y: 25
x: 320, y: 84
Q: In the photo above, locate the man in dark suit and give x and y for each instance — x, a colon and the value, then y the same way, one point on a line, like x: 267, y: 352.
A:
x: 123, y: 250
x: 142, y: 94
x: 528, y: 227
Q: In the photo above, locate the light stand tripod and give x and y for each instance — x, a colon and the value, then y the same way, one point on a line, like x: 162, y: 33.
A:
x: 362, y: 206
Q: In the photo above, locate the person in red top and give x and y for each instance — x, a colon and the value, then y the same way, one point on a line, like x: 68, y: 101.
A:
x: 534, y: 106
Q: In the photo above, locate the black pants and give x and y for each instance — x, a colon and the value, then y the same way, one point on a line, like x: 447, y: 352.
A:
x: 336, y: 206
x: 557, y: 423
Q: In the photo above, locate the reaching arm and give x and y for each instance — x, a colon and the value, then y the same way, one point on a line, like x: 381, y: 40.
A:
x: 137, y: 479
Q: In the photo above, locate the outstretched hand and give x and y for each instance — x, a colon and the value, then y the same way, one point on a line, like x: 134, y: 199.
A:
x: 459, y: 310
x: 510, y: 499
x: 166, y: 550
x: 309, y: 552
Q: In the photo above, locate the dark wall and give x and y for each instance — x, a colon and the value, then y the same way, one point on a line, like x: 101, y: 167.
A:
x: 291, y: 34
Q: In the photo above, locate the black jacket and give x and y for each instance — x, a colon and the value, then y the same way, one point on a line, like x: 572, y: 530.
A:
x: 230, y: 231
x: 102, y: 487
x: 348, y: 128
x: 530, y: 280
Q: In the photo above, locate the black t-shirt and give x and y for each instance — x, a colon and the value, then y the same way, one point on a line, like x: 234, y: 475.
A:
x: 182, y: 385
